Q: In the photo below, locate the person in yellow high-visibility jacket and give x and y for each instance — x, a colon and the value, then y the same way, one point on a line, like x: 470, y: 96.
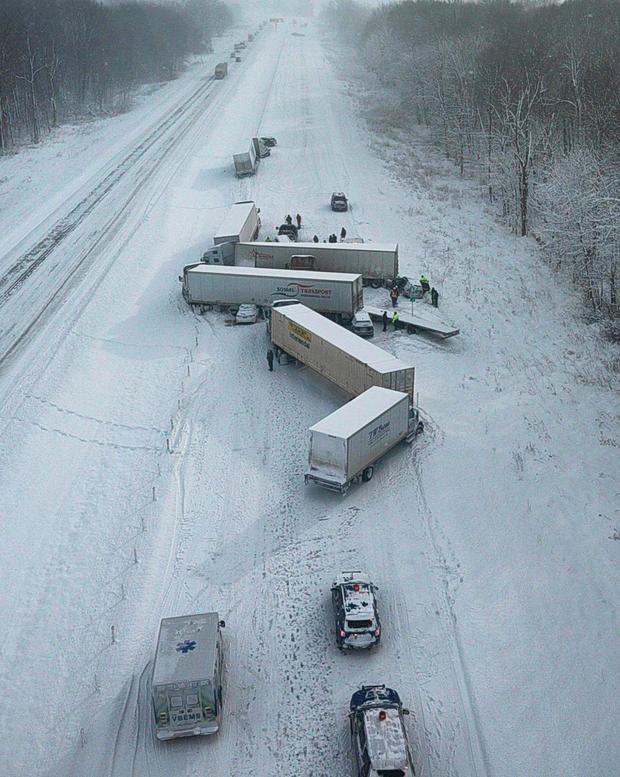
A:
x: 395, y: 319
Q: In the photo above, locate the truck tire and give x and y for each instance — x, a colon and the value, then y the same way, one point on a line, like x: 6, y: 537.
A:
x: 367, y: 474
x: 411, y: 329
x: 376, y: 283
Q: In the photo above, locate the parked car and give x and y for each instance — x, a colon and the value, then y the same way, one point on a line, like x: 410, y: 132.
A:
x: 339, y: 201
x: 271, y: 142
x: 247, y: 314
x: 290, y: 230
x: 362, y: 324
x: 237, y: 59
x: 355, y: 611
x: 378, y: 734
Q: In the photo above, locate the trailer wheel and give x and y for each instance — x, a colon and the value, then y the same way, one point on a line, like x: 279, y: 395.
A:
x: 376, y: 283
x: 411, y: 329
x: 367, y: 474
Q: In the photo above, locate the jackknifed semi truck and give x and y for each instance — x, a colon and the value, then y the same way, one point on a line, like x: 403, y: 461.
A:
x: 342, y: 357
x: 375, y: 262
x: 345, y: 445
x: 337, y: 294
x: 246, y: 163
x: 241, y: 224
x: 186, y: 685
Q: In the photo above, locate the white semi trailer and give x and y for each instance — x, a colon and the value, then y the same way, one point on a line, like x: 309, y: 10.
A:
x: 246, y: 163
x: 338, y: 294
x: 375, y: 262
x: 345, y: 445
x: 340, y: 356
x: 241, y: 224
x: 187, y: 676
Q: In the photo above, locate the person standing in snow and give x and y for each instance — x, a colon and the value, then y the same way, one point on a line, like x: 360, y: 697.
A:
x: 298, y: 220
x: 289, y: 219
x: 394, y: 294
x: 385, y: 320
x: 270, y: 359
x: 424, y: 283
x: 395, y: 319
x: 315, y: 239
x: 343, y: 233
x: 434, y: 297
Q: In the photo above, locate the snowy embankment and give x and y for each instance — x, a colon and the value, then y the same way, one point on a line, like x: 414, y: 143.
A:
x: 490, y: 539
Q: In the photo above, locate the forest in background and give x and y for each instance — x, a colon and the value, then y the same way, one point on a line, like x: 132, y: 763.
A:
x: 62, y: 60
x: 523, y: 97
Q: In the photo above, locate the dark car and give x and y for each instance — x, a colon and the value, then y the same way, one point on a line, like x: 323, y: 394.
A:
x: 378, y: 734
x: 290, y: 230
x: 270, y: 142
x: 355, y: 611
x: 339, y: 202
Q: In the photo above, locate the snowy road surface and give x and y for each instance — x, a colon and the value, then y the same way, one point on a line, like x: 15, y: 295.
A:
x: 491, y: 538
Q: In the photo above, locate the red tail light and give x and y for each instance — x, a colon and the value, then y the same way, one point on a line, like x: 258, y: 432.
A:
x: 377, y: 632
x: 343, y: 633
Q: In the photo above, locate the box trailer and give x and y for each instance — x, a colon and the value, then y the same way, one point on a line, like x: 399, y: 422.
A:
x: 338, y: 294
x: 186, y: 685
x: 344, y: 358
x: 221, y: 70
x: 345, y: 445
x: 375, y: 262
x: 246, y: 163
x: 242, y: 223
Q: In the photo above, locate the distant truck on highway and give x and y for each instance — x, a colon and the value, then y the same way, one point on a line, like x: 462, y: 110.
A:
x: 221, y: 70
x: 186, y: 685
x: 345, y: 445
x: 246, y: 163
x: 342, y: 357
x: 241, y: 224
x: 333, y: 294
x: 375, y: 262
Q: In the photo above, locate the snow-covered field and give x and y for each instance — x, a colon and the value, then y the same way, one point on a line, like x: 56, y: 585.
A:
x: 492, y: 538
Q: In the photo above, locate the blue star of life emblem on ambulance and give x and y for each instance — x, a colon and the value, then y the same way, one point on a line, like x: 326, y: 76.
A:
x: 185, y: 647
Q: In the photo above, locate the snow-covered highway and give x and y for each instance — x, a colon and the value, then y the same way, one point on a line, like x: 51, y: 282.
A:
x: 489, y: 539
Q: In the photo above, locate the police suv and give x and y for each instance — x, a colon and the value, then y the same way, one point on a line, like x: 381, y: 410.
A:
x: 378, y: 734
x: 355, y: 610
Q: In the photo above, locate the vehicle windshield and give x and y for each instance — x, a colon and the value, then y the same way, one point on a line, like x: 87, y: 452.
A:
x: 359, y: 624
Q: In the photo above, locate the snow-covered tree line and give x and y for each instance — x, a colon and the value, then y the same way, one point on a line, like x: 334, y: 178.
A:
x: 526, y: 98
x: 63, y: 59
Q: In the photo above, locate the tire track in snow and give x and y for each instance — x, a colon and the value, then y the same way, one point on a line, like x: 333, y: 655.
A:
x: 30, y: 261
x: 477, y: 747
